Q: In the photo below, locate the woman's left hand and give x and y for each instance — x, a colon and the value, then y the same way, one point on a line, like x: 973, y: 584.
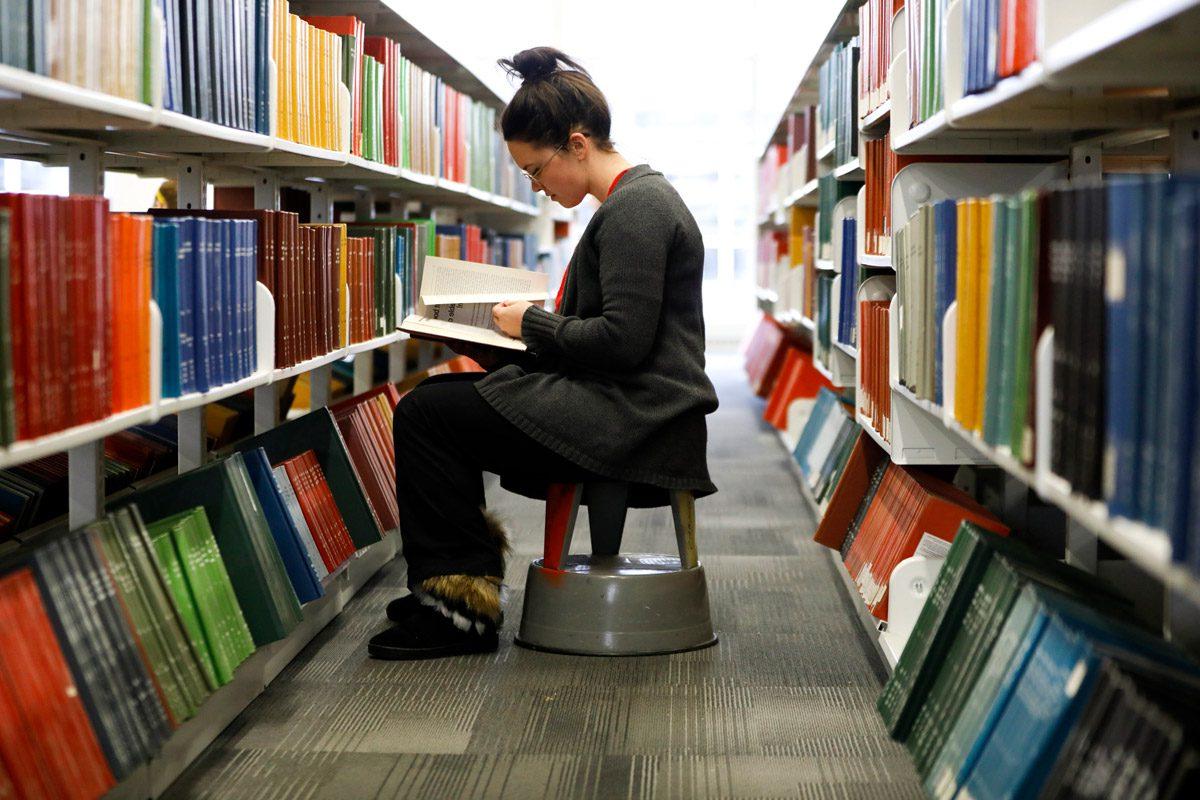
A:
x: 507, y: 314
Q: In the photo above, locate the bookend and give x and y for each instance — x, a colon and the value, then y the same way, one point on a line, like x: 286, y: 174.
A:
x: 608, y: 604
x: 908, y: 588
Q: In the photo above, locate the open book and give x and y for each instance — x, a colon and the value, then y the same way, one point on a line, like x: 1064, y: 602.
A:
x: 456, y: 300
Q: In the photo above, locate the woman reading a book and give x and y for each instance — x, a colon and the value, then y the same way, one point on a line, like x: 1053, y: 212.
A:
x: 611, y: 387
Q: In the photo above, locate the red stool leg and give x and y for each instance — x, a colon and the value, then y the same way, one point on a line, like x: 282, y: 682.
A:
x: 562, y: 506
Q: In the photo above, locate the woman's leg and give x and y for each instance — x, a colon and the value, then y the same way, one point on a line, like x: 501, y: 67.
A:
x: 446, y: 435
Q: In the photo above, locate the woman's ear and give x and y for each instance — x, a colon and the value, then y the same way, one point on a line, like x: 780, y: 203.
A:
x: 578, y: 144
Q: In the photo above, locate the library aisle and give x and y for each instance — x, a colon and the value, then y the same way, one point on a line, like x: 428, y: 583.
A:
x: 783, y: 706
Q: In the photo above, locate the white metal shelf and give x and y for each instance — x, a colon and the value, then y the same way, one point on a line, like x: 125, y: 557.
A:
x: 876, y: 122
x: 852, y: 352
x: 1038, y: 110
x: 128, y: 127
x: 870, y: 260
x: 30, y: 449
x: 850, y: 171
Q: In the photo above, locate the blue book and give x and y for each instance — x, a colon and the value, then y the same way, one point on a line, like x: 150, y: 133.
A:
x: 826, y: 400
x: 189, y: 379
x: 198, y: 283
x: 295, y: 556
x: 165, y: 248
x: 1045, y: 688
x: 1123, y: 288
x: 262, y: 78
x: 946, y: 219
x: 972, y: 42
x: 250, y: 296
x: 990, y: 66
x: 1156, y: 288
x: 1178, y: 431
x: 223, y: 259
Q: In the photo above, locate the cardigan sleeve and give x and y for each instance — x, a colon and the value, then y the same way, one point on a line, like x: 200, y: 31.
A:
x: 632, y: 246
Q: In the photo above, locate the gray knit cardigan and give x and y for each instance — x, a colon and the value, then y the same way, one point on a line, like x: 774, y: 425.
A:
x: 616, y: 383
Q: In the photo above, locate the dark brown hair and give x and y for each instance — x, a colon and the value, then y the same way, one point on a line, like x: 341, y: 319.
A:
x: 556, y: 98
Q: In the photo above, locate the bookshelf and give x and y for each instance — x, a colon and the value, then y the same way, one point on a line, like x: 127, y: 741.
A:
x: 1080, y: 104
x: 89, y: 132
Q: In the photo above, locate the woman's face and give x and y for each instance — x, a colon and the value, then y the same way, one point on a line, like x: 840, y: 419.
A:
x: 557, y: 171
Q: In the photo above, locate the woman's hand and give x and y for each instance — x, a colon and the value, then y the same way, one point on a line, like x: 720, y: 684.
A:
x: 507, y: 314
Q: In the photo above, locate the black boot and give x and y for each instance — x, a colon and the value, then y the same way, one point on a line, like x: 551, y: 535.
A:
x: 447, y: 615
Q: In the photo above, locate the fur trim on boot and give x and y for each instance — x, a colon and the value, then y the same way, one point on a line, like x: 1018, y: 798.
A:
x: 470, y: 601
x: 498, y: 531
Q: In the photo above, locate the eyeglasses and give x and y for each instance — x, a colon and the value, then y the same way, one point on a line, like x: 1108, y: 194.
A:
x: 533, y: 176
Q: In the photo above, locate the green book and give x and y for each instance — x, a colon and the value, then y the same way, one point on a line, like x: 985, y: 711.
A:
x: 930, y: 637
x: 1011, y: 338
x: 134, y: 541
x: 266, y: 552
x: 997, y: 325
x: 239, y: 529
x: 1011, y: 566
x: 1020, y: 431
x: 370, y: 148
x: 172, y: 569
x: 102, y: 535
x: 941, y: 774
x: 8, y: 426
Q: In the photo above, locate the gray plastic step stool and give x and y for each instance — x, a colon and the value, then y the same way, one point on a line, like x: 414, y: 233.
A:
x: 608, y: 604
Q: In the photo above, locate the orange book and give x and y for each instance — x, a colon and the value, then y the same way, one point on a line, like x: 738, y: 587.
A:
x: 849, y: 493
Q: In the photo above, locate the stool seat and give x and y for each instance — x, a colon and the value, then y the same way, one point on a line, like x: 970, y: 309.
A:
x: 609, y: 603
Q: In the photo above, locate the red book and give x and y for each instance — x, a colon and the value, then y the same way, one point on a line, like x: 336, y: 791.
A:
x: 47, y: 743
x: 297, y: 474
x: 326, y: 507
x: 849, y: 493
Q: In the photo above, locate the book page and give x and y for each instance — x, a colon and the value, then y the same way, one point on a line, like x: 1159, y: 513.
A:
x: 448, y: 281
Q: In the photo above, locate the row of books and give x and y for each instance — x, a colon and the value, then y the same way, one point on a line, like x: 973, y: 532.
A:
x: 874, y: 349
x: 1120, y: 295
x: 880, y: 164
x: 69, y: 354
x: 875, y: 40
x: 116, y: 634
x: 837, y: 105
x: 337, y: 88
x: 1024, y: 677
x: 215, y: 60
x: 825, y: 443
x: 846, y: 323
x: 99, y: 46
x: 35, y: 492
x: 999, y: 39
x: 830, y: 191
x: 879, y: 513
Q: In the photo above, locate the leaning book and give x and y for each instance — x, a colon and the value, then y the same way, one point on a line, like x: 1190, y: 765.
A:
x: 456, y: 300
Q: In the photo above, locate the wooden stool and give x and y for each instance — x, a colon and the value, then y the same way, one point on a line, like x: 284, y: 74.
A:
x: 607, y: 603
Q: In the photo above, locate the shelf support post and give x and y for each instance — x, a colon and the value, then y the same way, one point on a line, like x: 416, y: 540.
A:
x: 85, y: 463
x: 266, y: 407
x: 320, y: 207
x: 86, y: 169
x: 193, y: 189
x: 266, y: 192
x: 364, y: 371
x: 319, y: 381
x: 1085, y: 163
x: 364, y: 205
x: 1185, y: 144
x: 397, y: 361
x: 193, y: 444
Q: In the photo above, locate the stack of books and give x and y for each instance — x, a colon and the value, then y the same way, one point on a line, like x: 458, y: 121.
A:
x: 1024, y: 677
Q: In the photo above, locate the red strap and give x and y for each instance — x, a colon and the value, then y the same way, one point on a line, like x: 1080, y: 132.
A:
x: 558, y: 298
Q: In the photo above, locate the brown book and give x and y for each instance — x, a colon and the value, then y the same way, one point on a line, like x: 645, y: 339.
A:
x: 850, y: 491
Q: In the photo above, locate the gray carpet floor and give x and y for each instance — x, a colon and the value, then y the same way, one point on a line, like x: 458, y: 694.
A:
x: 783, y: 706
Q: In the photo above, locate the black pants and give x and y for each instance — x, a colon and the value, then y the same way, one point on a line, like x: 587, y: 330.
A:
x: 446, y: 437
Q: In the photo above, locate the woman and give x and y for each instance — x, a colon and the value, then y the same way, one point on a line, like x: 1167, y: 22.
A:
x: 612, y: 386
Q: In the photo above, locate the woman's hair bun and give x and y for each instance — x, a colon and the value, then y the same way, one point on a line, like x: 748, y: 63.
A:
x: 538, y: 63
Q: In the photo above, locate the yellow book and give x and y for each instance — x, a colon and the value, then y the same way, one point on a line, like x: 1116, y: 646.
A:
x: 962, y: 288
x: 344, y: 241
x: 983, y: 289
